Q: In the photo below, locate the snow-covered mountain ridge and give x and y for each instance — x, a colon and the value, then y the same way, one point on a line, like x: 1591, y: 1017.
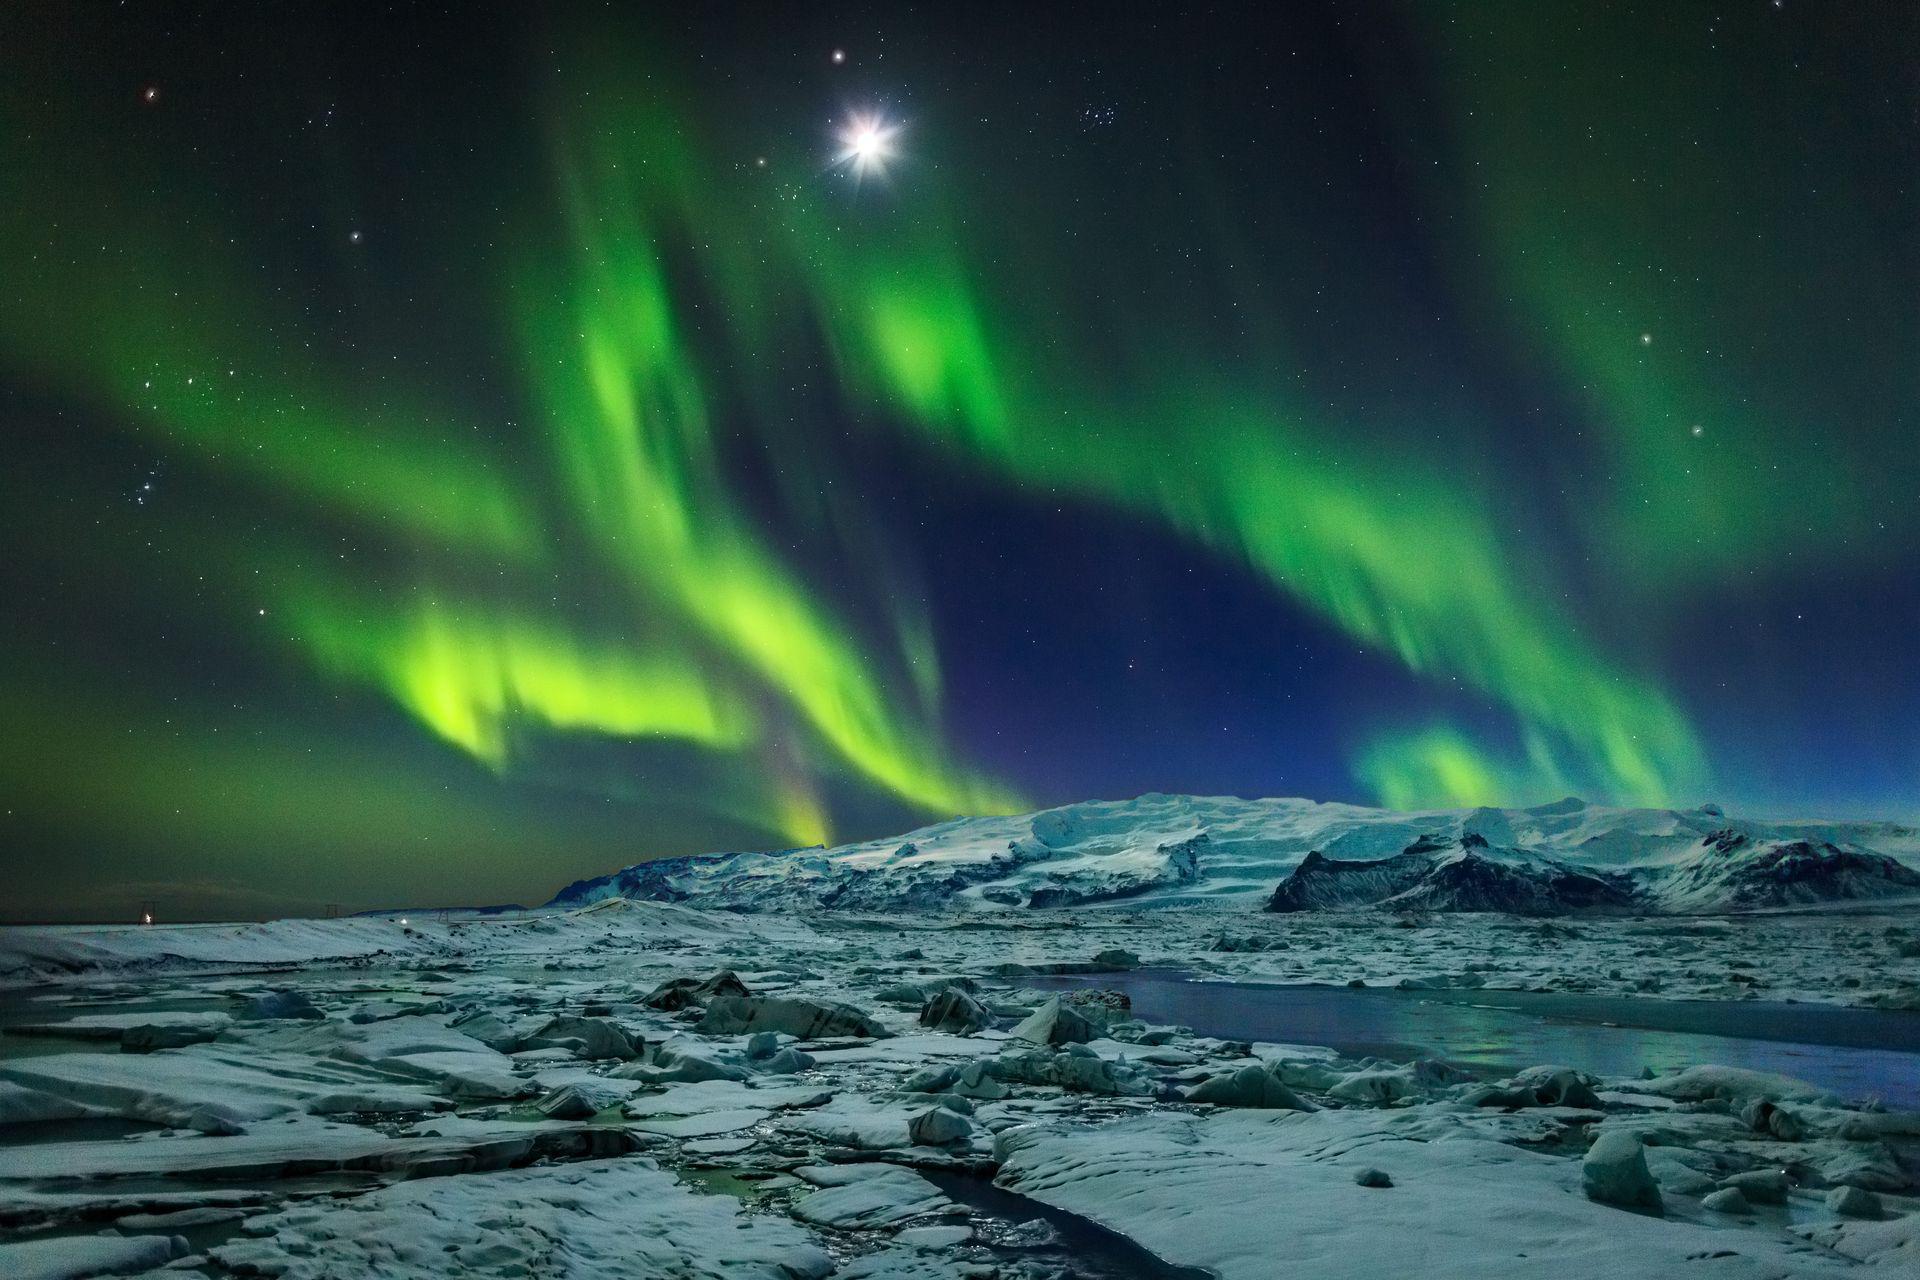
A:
x: 1161, y: 850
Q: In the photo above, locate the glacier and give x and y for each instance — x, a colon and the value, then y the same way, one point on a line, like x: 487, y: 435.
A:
x: 1193, y: 851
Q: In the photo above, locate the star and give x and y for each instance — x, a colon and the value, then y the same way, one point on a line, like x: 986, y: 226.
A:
x: 150, y: 94
x: 1646, y: 339
x: 867, y: 144
x: 353, y: 237
x: 839, y: 56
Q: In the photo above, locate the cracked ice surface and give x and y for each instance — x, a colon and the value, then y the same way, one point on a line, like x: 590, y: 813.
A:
x: 538, y: 1094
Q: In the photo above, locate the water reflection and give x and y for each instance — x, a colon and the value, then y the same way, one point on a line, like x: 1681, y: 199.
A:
x: 1859, y: 1054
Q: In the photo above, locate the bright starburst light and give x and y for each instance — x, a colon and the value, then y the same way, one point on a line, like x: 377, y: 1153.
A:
x: 867, y: 144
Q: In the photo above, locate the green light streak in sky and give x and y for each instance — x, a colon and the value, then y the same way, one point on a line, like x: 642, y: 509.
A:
x: 204, y: 797
x: 481, y: 678
x: 470, y: 677
x: 924, y: 343
x: 1398, y: 554
x: 1438, y: 767
x: 361, y: 467
x: 630, y: 415
x: 1718, y: 306
x: 159, y: 334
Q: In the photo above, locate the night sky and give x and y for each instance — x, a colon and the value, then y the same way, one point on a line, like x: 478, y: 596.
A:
x: 448, y: 449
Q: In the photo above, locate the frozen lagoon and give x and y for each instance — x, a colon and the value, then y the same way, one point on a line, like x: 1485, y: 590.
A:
x: 479, y: 1097
x: 1863, y: 1055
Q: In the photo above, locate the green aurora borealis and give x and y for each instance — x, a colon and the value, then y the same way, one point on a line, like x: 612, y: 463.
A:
x: 1499, y: 402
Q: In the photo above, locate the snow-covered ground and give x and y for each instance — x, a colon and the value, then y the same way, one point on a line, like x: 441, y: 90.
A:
x: 653, y: 1089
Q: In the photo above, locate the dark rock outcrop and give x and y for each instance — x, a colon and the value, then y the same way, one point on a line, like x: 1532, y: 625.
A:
x: 1434, y: 875
x: 687, y: 993
x: 1733, y: 873
x: 801, y: 1019
x: 953, y: 1010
